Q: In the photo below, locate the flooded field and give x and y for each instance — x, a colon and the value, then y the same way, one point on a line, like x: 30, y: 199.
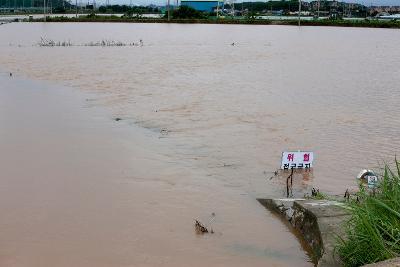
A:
x: 206, y: 112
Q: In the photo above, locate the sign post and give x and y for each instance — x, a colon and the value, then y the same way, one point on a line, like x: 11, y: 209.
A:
x: 297, y: 160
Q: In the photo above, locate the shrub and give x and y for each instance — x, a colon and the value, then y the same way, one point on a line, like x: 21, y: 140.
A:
x: 373, y: 232
x: 186, y: 12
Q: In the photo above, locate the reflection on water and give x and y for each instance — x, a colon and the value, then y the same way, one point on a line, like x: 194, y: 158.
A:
x: 227, y: 112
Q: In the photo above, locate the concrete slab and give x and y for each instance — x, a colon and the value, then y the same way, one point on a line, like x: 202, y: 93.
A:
x: 319, y: 222
x: 324, y: 208
x: 388, y: 263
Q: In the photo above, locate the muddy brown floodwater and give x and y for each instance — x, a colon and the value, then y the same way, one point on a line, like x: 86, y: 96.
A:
x: 203, y: 127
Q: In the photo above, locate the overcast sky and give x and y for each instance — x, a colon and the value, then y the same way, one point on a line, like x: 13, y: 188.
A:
x: 365, y: 2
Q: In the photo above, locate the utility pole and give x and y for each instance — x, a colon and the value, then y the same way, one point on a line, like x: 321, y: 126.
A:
x: 217, y: 9
x: 76, y: 8
x: 319, y: 5
x: 299, y: 11
x: 271, y: 6
x: 44, y: 10
x: 168, y: 11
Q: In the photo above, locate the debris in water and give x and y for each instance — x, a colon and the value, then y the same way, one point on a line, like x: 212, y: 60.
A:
x: 364, y: 173
x: 314, y: 192
x: 275, y: 174
x: 164, y: 131
x: 212, y: 219
x: 200, y: 228
x: 347, y: 194
x: 368, y: 179
x: 117, y: 119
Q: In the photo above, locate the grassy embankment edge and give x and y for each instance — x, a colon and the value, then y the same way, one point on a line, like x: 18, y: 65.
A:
x: 373, y: 232
x: 294, y: 22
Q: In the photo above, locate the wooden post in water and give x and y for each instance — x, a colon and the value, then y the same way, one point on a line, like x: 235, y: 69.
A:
x: 289, y: 189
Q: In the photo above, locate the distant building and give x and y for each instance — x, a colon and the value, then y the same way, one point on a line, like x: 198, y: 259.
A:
x: 203, y: 5
x: 384, y: 9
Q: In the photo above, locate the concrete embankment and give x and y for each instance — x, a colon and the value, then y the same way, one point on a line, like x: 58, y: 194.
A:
x: 319, y: 222
x: 388, y: 263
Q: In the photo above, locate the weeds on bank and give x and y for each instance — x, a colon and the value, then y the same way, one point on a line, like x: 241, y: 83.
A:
x: 373, y: 232
x: 317, y: 195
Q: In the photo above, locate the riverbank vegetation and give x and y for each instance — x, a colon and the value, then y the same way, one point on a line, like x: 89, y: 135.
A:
x: 129, y: 9
x: 214, y: 20
x: 186, y: 12
x: 373, y: 232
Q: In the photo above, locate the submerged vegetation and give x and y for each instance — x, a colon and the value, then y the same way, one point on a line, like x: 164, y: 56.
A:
x: 316, y: 194
x: 44, y: 42
x: 49, y: 42
x: 373, y: 232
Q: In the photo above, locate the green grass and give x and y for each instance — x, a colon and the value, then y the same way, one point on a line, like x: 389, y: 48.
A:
x: 319, y: 196
x: 373, y: 232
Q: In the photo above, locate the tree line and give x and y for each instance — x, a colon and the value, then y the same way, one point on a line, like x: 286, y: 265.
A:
x: 129, y: 9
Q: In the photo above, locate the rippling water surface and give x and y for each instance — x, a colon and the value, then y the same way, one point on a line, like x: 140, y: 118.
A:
x: 222, y: 114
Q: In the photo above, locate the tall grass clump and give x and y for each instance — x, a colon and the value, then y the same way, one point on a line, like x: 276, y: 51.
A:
x: 373, y: 232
